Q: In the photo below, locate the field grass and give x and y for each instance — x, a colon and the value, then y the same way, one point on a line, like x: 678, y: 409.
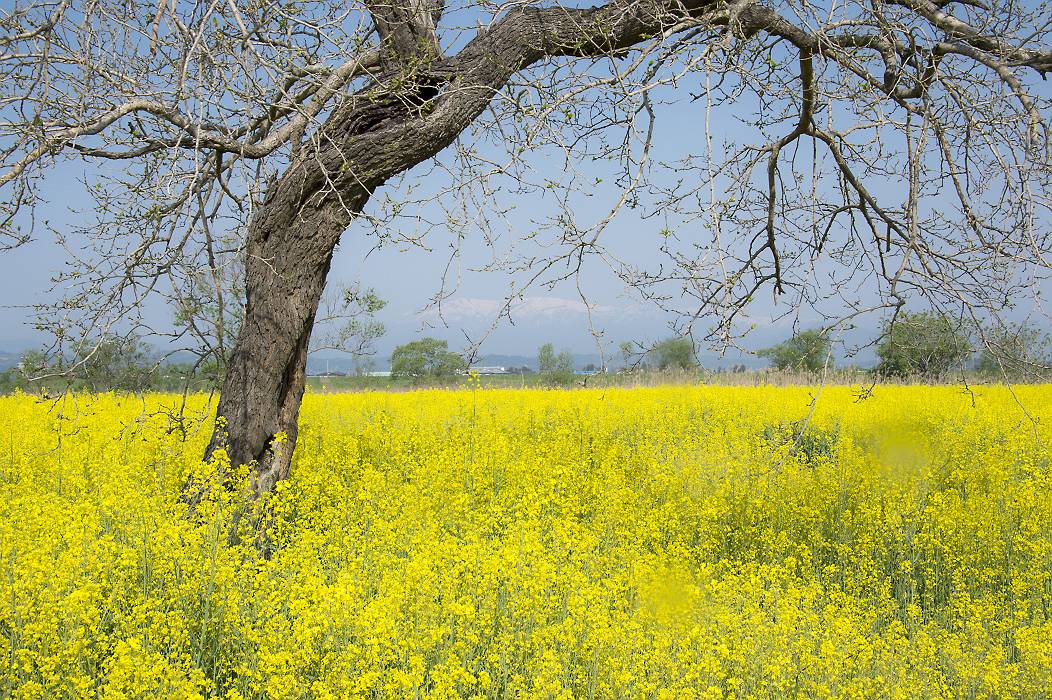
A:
x: 669, y: 542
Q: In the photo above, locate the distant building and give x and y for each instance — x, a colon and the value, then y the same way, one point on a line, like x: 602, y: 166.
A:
x: 378, y: 374
x: 489, y: 370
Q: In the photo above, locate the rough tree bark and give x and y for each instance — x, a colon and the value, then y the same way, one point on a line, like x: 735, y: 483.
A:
x: 288, y: 255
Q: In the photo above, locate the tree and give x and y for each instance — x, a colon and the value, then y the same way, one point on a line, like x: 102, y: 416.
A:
x: 674, y: 353
x: 924, y: 344
x: 8, y: 380
x: 427, y: 357
x: 807, y: 350
x: 34, y: 363
x: 555, y: 369
x: 113, y: 364
x: 242, y: 138
x: 1015, y: 352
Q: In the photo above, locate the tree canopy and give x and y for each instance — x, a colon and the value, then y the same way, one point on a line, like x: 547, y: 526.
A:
x: 427, y: 357
x: 555, y: 368
x: 807, y: 350
x: 674, y: 353
x: 925, y: 344
x: 1015, y: 352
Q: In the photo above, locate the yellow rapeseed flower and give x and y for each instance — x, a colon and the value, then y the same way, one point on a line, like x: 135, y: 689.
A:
x: 674, y: 542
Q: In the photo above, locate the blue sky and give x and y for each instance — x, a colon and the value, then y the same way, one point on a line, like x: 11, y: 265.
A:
x: 407, y: 279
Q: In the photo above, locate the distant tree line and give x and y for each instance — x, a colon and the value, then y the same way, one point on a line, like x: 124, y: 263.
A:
x: 930, y: 346
x: 123, y: 364
x: 923, y: 345
x: 347, y: 323
x: 806, y: 351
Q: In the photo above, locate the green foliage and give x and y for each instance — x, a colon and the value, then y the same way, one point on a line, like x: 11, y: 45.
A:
x: 121, y: 364
x: 812, y: 445
x: 427, y: 357
x: 112, y: 364
x: 353, y: 328
x: 674, y: 353
x: 923, y: 344
x: 9, y: 380
x: 34, y: 363
x: 806, y: 351
x: 1016, y: 353
x: 555, y: 369
x: 367, y: 301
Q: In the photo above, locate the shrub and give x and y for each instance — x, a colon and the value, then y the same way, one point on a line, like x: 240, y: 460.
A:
x: 555, y: 369
x: 923, y: 344
x: 808, y: 350
x: 674, y: 353
x: 427, y: 357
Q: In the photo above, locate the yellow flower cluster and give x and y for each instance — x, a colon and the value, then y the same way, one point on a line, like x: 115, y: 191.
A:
x: 675, y: 542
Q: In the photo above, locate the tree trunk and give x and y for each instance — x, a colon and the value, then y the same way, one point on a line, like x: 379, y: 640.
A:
x: 289, y: 251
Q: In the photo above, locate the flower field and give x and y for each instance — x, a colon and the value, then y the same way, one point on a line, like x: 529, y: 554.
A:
x: 675, y: 542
